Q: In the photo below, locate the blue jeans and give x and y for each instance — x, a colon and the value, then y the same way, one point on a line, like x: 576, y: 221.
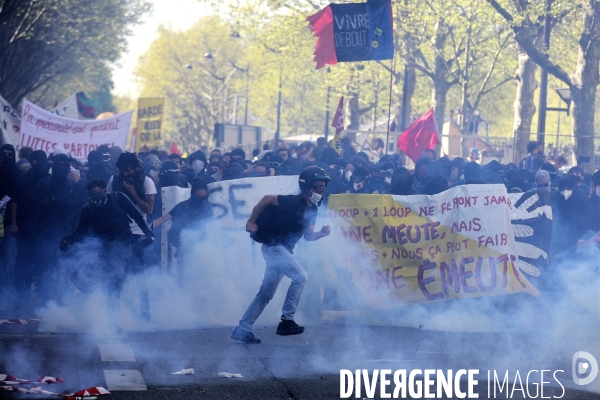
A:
x: 280, y: 262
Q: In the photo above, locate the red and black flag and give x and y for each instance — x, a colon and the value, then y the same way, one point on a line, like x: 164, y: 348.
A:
x: 353, y: 32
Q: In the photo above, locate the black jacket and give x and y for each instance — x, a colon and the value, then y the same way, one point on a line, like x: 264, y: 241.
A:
x: 110, y: 221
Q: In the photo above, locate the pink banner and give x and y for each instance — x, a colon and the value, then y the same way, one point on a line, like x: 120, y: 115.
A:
x: 43, y: 130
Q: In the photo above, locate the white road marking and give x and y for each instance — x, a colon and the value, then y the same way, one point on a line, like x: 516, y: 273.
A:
x: 116, y: 352
x: 124, y: 379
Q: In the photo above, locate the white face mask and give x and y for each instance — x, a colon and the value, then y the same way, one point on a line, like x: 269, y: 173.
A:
x: 388, y: 180
x: 598, y: 190
x: 566, y: 193
x: 315, y: 198
x: 348, y: 175
x: 197, y: 166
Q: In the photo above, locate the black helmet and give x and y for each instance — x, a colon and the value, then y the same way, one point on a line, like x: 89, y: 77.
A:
x: 311, y: 174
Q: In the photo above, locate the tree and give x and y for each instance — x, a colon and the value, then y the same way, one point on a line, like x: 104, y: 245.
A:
x: 197, y: 72
x: 47, y: 42
x: 455, y: 43
x: 584, y: 80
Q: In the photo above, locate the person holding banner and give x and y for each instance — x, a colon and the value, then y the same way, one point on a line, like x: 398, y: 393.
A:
x: 278, y: 222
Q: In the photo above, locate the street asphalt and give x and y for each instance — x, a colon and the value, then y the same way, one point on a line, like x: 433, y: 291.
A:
x: 140, y: 365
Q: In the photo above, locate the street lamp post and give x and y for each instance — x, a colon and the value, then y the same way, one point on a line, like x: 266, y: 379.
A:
x: 247, y: 94
x: 277, y: 133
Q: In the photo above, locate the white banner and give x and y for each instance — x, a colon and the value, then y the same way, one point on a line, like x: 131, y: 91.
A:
x: 234, y: 200
x: 67, y: 108
x: 10, y: 124
x: 43, y: 130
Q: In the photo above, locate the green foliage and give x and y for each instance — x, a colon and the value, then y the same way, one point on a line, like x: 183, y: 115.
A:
x: 54, y: 48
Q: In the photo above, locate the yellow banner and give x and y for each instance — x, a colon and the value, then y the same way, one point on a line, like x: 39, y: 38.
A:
x: 415, y: 249
x: 149, y: 123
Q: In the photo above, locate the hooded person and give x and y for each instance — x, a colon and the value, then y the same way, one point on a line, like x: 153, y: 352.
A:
x: 97, y: 168
x: 385, y: 177
x: 471, y: 175
x: 516, y: 185
x: 140, y: 189
x: 109, y: 216
x: 237, y: 154
x: 197, y: 161
x: 24, y: 224
x: 435, y: 185
x: 278, y: 222
x: 360, y: 182
x: 57, y: 203
x: 9, y: 173
x: 168, y: 175
x: 289, y: 167
x: 402, y: 182
x: 192, y: 213
x: 571, y: 215
x: 233, y: 171
x: 492, y: 172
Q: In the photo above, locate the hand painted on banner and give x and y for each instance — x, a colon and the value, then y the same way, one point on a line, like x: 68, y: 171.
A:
x: 416, y: 247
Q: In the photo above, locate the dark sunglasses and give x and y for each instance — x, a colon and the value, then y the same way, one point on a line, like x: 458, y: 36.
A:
x: 65, y: 166
x: 543, y: 184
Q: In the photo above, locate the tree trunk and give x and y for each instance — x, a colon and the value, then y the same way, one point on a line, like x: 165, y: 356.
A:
x: 524, y: 103
x: 409, y: 88
x: 584, y: 84
x: 438, y: 98
x: 440, y: 85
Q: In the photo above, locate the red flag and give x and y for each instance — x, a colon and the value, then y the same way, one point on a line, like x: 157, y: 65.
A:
x: 174, y: 149
x: 321, y: 25
x: 338, y: 124
x: 420, y: 136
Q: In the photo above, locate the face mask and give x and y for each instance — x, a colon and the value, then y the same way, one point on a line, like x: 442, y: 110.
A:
x: 358, y: 185
x: 197, y: 166
x: 128, y: 179
x: 348, y: 175
x: 566, y: 193
x: 196, y: 201
x: 315, y: 198
x: 388, y: 180
x: 60, y: 171
x: 97, y: 199
x: 38, y: 168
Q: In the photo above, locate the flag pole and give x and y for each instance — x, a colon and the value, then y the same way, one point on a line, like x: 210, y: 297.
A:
x: 387, y: 137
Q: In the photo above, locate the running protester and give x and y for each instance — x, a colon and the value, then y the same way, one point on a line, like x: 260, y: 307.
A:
x: 278, y: 222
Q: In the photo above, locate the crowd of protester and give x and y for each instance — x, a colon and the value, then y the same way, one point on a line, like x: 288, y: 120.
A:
x: 48, y: 191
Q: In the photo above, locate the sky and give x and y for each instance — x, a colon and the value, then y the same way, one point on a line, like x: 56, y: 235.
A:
x: 177, y: 14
